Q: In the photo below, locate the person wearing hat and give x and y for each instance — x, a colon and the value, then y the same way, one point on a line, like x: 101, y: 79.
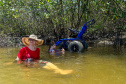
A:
x: 30, y: 51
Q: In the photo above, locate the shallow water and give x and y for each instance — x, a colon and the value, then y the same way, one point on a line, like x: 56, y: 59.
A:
x: 98, y: 65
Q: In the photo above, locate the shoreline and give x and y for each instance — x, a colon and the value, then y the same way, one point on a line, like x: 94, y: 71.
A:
x: 8, y: 41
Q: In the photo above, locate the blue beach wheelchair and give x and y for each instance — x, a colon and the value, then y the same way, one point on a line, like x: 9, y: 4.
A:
x: 77, y: 44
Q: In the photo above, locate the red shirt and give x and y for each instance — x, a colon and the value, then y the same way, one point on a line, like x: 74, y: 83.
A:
x: 25, y: 53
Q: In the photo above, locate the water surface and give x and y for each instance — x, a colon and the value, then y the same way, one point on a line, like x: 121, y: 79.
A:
x: 98, y: 65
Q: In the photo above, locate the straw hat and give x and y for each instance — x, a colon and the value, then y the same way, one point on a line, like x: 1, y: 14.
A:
x: 38, y: 42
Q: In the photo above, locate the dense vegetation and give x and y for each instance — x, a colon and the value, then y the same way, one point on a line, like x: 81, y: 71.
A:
x: 53, y: 17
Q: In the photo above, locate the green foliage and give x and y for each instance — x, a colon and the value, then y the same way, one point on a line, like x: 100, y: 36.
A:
x: 43, y: 17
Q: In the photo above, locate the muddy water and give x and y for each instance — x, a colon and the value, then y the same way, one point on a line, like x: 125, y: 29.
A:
x: 98, y: 65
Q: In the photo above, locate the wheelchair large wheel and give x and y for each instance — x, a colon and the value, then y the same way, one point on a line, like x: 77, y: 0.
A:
x: 75, y: 46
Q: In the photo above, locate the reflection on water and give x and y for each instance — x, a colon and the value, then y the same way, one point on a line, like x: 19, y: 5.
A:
x: 102, y: 65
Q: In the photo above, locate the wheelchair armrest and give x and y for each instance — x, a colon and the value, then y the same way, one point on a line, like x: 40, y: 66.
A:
x: 73, y: 30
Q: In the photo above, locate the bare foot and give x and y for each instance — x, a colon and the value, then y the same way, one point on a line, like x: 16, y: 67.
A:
x: 51, y: 66
x: 64, y: 72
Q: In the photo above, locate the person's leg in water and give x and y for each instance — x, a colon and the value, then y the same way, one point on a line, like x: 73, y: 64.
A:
x: 51, y: 66
x: 48, y: 66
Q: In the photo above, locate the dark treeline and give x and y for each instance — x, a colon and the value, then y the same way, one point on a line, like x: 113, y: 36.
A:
x: 52, y: 18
